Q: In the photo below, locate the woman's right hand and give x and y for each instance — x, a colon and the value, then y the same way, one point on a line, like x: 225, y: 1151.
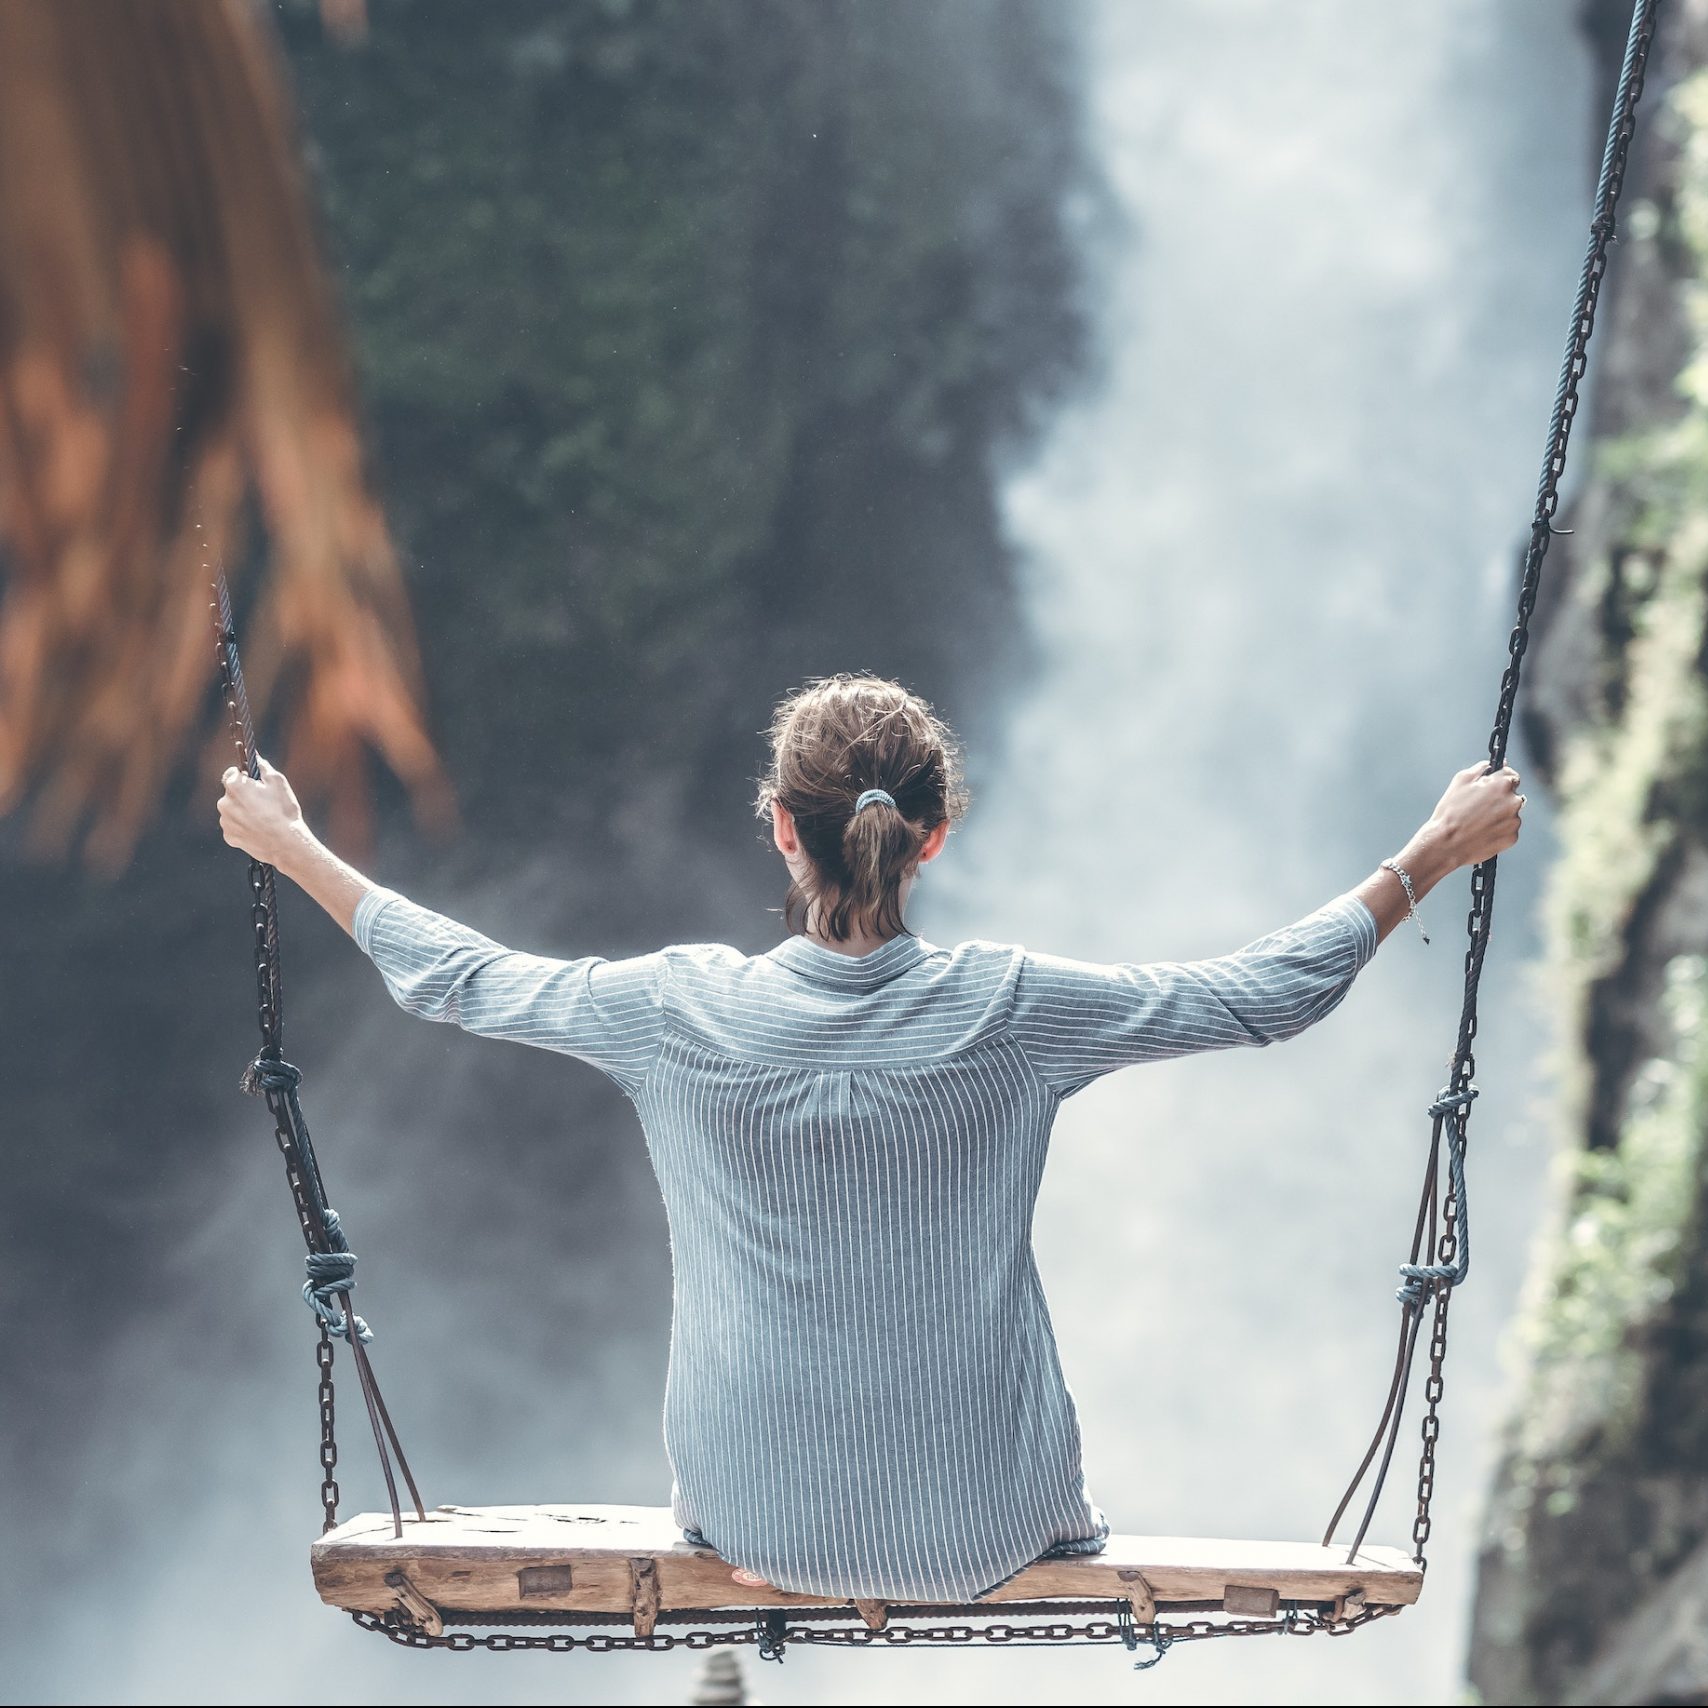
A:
x: 1478, y: 817
x: 261, y: 816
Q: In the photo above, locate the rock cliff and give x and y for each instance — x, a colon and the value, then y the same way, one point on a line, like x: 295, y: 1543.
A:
x: 1594, y: 1570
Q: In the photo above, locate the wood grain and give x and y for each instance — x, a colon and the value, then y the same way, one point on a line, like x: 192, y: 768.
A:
x: 490, y: 1559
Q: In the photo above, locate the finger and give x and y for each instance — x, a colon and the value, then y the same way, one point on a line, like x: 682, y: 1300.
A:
x: 263, y: 767
x: 230, y: 775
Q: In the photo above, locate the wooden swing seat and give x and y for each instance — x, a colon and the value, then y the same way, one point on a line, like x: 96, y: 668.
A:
x: 632, y: 1563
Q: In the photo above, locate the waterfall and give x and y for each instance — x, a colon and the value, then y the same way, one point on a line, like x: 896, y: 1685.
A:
x: 1270, y: 563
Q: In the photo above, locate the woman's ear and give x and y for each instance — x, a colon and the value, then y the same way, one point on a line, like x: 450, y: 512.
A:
x: 783, y: 831
x: 932, y: 846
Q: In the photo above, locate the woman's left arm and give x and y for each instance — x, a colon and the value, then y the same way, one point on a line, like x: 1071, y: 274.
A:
x: 1075, y: 1020
x: 1477, y: 817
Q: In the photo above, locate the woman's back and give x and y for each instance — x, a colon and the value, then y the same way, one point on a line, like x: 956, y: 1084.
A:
x: 864, y: 1394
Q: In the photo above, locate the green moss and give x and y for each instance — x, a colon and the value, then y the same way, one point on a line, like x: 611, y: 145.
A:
x: 1620, y: 1254
x: 686, y: 331
x: 1634, y: 795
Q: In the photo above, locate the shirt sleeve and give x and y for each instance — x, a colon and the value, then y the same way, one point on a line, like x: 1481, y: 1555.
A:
x: 609, y: 1013
x: 1076, y: 1020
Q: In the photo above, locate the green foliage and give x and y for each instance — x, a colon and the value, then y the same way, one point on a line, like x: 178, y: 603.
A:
x: 1621, y: 1254
x: 1634, y: 795
x: 1631, y: 786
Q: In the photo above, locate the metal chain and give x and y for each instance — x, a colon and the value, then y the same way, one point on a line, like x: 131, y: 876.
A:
x: 1445, y: 1207
x: 269, y: 1012
x: 328, y: 1434
x: 1622, y: 127
x: 264, y: 924
x: 270, y: 1076
x: 772, y: 1635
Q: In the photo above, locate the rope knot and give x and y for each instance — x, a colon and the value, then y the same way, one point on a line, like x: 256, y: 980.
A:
x: 329, y: 1274
x: 1419, y: 1282
x: 1447, y: 1100
x: 270, y: 1073
x: 771, y: 1634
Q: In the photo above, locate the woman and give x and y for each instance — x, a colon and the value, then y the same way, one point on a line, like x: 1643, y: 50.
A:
x: 864, y: 1394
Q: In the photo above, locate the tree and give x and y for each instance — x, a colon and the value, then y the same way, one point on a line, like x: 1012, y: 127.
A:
x: 171, y: 362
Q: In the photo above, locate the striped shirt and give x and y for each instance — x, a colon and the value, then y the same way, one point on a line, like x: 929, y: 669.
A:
x: 864, y: 1396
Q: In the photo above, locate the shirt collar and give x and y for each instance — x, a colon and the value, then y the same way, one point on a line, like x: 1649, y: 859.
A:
x: 837, y: 971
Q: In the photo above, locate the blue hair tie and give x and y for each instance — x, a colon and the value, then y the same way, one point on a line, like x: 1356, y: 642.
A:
x: 872, y: 797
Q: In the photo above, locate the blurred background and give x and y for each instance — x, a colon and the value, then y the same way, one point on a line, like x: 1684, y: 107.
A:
x: 1158, y: 388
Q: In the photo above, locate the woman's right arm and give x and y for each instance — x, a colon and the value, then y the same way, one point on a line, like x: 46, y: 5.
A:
x: 607, y: 1012
x: 261, y: 815
x: 1076, y: 1020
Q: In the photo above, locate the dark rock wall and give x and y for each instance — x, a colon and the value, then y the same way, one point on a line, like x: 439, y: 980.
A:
x: 1594, y: 1572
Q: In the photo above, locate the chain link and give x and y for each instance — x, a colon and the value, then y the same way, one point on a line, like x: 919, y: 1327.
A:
x: 276, y: 1081
x: 773, y: 1636
x: 1479, y: 921
x: 306, y: 1193
x: 328, y: 1433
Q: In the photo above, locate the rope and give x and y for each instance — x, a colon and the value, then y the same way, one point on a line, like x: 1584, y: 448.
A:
x: 268, y: 1073
x: 329, y: 1274
x: 1422, y: 1279
x: 332, y: 1271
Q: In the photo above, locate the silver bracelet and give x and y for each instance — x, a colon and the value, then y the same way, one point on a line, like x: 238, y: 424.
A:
x: 1404, y: 876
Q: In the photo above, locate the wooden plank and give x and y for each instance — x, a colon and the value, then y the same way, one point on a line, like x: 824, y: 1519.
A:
x: 489, y: 1559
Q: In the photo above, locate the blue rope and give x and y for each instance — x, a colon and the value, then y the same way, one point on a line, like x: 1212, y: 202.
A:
x: 330, y: 1273
x: 1422, y: 1280
x: 771, y: 1634
x: 1129, y: 1635
x: 270, y: 1073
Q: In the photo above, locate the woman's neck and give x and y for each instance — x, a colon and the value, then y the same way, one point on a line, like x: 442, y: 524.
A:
x: 859, y: 940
